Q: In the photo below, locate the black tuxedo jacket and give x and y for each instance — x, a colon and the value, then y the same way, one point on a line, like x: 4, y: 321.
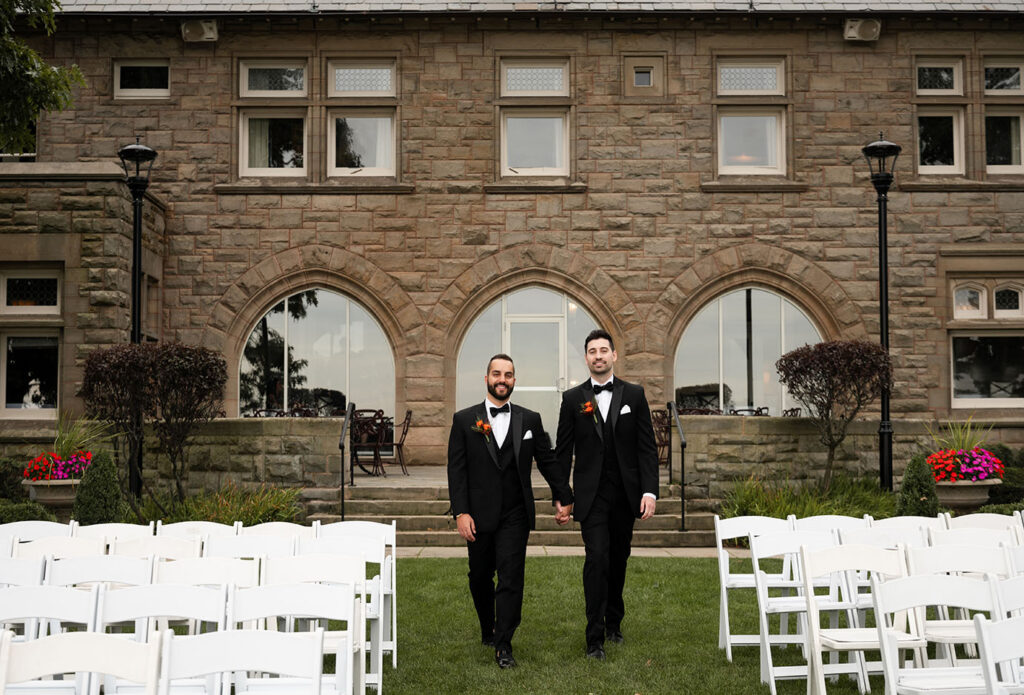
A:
x: 474, y: 479
x: 581, y: 433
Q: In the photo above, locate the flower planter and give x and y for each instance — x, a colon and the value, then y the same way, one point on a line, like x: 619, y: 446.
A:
x: 964, y: 496
x: 56, y: 495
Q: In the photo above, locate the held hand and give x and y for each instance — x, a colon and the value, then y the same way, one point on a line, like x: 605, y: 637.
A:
x: 647, y: 505
x: 562, y: 513
x: 467, y: 527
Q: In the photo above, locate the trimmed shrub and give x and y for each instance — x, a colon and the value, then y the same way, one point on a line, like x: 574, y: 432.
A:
x: 24, y: 511
x: 98, y: 500
x: 1009, y: 508
x: 1004, y: 454
x: 917, y: 496
x: 11, y: 475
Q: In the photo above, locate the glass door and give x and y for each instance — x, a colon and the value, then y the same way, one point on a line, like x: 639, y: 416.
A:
x: 537, y: 344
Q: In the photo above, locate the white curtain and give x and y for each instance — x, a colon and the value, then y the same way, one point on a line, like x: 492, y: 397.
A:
x: 259, y: 143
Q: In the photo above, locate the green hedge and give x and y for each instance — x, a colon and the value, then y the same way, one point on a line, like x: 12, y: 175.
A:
x: 230, y: 504
x: 23, y: 511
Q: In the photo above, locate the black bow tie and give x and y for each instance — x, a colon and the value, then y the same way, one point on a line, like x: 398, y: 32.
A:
x: 607, y: 386
x: 503, y: 409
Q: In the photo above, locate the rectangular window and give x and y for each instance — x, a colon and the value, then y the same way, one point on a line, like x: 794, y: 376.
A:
x: 940, y: 138
x: 28, y: 292
x: 535, y: 77
x: 988, y: 371
x: 1004, y: 76
x: 750, y: 141
x: 363, y: 143
x: 273, y: 143
x: 940, y: 76
x: 534, y: 142
x: 1002, y: 142
x: 362, y: 78
x: 644, y: 76
x: 141, y: 79
x: 262, y: 78
x: 744, y: 76
x: 28, y: 374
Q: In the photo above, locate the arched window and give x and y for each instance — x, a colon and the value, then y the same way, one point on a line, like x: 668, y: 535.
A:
x: 543, y: 332
x: 336, y: 353
x: 726, y: 358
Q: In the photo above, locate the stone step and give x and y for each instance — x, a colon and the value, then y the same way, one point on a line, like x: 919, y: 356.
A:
x: 641, y: 539
x: 421, y: 492
x: 419, y: 507
x: 416, y: 523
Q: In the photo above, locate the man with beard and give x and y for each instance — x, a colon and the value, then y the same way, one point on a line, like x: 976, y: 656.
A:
x: 490, y: 452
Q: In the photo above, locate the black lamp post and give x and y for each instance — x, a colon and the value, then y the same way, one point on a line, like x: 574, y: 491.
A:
x: 881, y: 156
x: 137, y: 161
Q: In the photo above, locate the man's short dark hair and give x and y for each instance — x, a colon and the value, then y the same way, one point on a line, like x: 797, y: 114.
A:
x: 500, y: 356
x: 598, y: 334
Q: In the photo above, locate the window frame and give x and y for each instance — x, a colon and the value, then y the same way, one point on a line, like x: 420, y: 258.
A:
x: 286, y: 63
x: 1008, y: 313
x: 981, y: 312
x: 348, y: 172
x: 939, y: 62
x: 28, y: 413
x: 1005, y: 111
x: 30, y: 310
x: 779, y: 63
x: 334, y: 63
x: 535, y: 112
x: 957, y: 113
x: 534, y: 62
x: 1017, y: 62
x: 779, y: 112
x: 124, y: 93
x: 244, y: 115
x: 956, y: 403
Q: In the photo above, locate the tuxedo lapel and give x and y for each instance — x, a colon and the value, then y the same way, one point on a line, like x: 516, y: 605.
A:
x: 516, y: 432
x: 613, y: 408
x: 492, y: 447
x: 589, y: 395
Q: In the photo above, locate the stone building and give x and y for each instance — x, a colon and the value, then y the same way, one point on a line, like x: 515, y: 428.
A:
x: 390, y: 192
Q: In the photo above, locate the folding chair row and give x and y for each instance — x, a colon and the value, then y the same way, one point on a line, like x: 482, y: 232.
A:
x: 163, y: 664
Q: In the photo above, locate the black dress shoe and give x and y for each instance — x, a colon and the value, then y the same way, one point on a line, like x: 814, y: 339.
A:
x: 596, y: 652
x: 504, y: 658
x: 615, y: 637
x: 488, y: 642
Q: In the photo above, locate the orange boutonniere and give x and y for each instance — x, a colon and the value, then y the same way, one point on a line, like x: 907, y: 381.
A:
x: 483, y: 428
x: 588, y: 409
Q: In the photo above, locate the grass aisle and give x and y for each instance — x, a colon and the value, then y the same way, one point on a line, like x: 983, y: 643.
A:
x: 671, y: 630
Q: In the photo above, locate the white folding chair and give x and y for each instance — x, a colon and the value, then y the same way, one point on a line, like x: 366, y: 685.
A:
x: 372, y: 550
x: 160, y: 547
x: 914, y: 595
x: 43, y: 609
x: 109, y: 570
x: 197, y: 529
x: 771, y: 601
x: 113, y: 531
x: 21, y: 571
x: 278, y: 528
x: 6, y: 546
x: 1001, y: 645
x: 389, y: 576
x: 885, y: 536
x: 973, y: 535
x: 82, y: 653
x: 730, y: 580
x: 33, y: 530
x: 910, y: 521
x: 297, y: 655
x: 208, y: 571
x: 841, y: 566
x: 1016, y: 553
x: 310, y: 602
x: 1011, y: 596
x: 829, y: 522
x: 986, y: 520
x: 60, y: 546
x: 249, y: 546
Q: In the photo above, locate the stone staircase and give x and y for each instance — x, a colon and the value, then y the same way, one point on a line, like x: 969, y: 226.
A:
x: 421, y: 511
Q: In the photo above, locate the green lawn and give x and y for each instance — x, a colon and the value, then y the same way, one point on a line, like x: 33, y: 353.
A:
x: 671, y: 630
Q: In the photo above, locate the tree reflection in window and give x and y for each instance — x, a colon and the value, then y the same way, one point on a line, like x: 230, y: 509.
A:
x: 335, y: 351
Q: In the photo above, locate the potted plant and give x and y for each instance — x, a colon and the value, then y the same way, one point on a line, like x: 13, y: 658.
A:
x: 964, y: 471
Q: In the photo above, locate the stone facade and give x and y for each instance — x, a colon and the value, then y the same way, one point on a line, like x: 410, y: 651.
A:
x: 642, y: 233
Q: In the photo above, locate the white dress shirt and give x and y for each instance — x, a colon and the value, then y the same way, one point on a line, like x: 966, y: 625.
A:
x: 499, y: 422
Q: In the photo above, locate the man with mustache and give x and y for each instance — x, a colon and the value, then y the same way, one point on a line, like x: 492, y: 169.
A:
x: 606, y: 423
x: 490, y: 452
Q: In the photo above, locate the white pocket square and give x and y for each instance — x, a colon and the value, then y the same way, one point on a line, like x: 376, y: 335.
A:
x: 625, y: 409
x: 528, y: 435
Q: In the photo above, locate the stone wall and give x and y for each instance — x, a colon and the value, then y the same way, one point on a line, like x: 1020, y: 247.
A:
x: 642, y: 234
